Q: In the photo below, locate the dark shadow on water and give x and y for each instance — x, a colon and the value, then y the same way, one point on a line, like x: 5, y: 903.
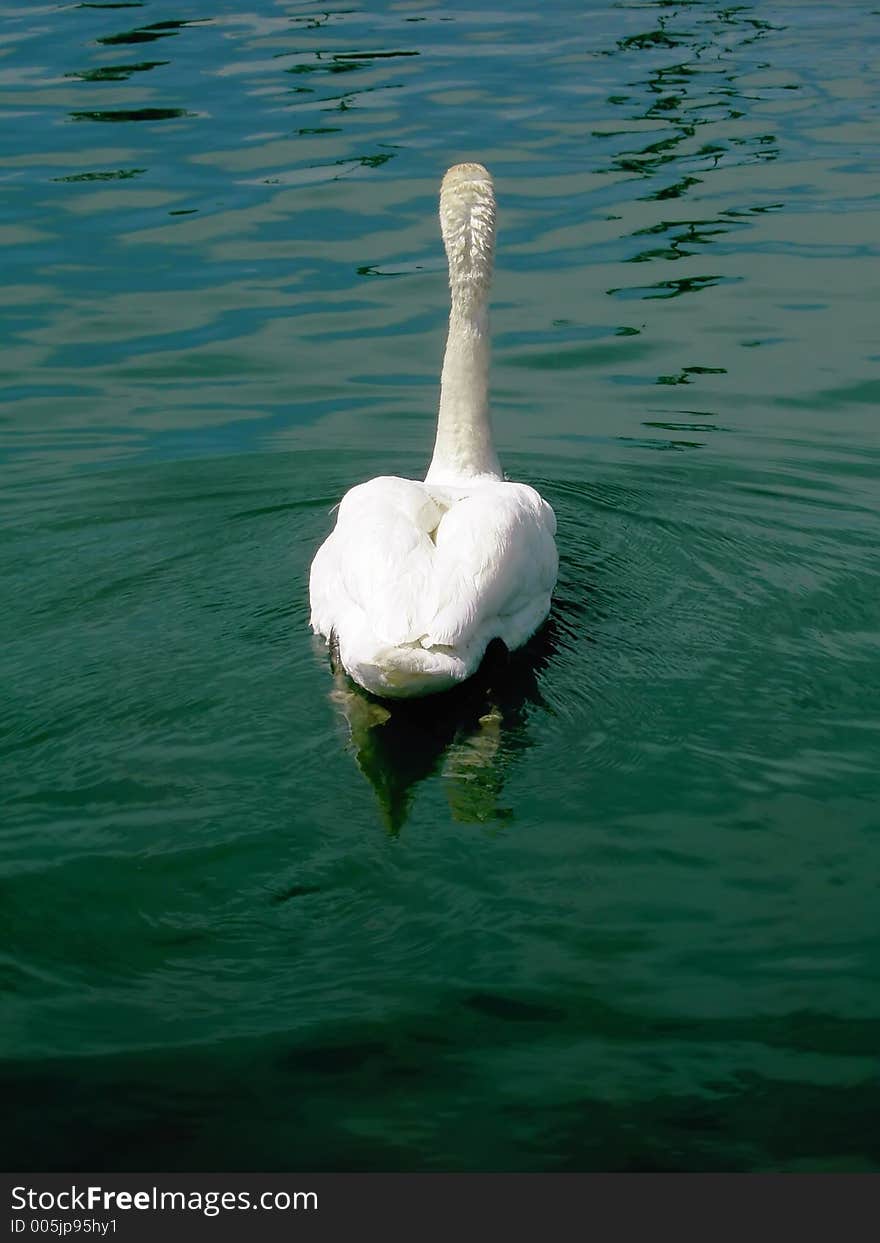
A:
x: 149, y: 33
x: 116, y: 174
x: 115, y: 73
x: 132, y: 114
x: 470, y: 735
x: 184, y: 1106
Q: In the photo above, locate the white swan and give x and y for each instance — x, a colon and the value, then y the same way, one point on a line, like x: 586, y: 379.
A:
x: 417, y: 579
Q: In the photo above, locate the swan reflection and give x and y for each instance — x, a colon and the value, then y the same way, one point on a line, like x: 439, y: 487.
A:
x: 470, y: 735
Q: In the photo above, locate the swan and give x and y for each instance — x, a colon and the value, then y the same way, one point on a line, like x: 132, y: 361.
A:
x: 417, y: 578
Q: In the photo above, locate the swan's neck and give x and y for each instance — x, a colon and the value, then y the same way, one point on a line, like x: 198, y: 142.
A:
x: 463, y: 449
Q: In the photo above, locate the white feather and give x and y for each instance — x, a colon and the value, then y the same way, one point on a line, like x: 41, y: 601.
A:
x: 418, y: 578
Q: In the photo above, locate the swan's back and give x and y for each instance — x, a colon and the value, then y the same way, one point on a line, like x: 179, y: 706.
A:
x: 416, y: 581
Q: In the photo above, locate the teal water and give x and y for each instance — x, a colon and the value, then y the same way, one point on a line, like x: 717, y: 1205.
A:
x: 614, y: 906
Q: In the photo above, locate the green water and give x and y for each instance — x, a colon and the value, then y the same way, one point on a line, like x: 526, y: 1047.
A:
x: 615, y: 906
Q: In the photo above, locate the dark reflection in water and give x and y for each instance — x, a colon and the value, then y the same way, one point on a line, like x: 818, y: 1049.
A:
x: 471, y: 734
x: 684, y: 376
x: 146, y: 34
x: 684, y: 97
x: 670, y: 288
x: 134, y: 36
x: 116, y: 73
x: 132, y: 114
x: 116, y: 174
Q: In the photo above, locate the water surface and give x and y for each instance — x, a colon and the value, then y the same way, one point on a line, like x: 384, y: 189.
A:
x: 614, y: 905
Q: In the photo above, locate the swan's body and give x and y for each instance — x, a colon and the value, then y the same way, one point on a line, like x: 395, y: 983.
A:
x: 417, y: 579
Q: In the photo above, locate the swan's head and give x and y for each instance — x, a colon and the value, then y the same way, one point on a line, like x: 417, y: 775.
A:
x: 467, y: 221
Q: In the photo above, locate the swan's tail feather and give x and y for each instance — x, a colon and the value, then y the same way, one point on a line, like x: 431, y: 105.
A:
x: 407, y: 671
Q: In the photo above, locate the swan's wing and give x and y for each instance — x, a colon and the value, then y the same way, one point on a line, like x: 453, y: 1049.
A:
x: 495, y: 566
x: 373, y: 574
x: 408, y: 564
